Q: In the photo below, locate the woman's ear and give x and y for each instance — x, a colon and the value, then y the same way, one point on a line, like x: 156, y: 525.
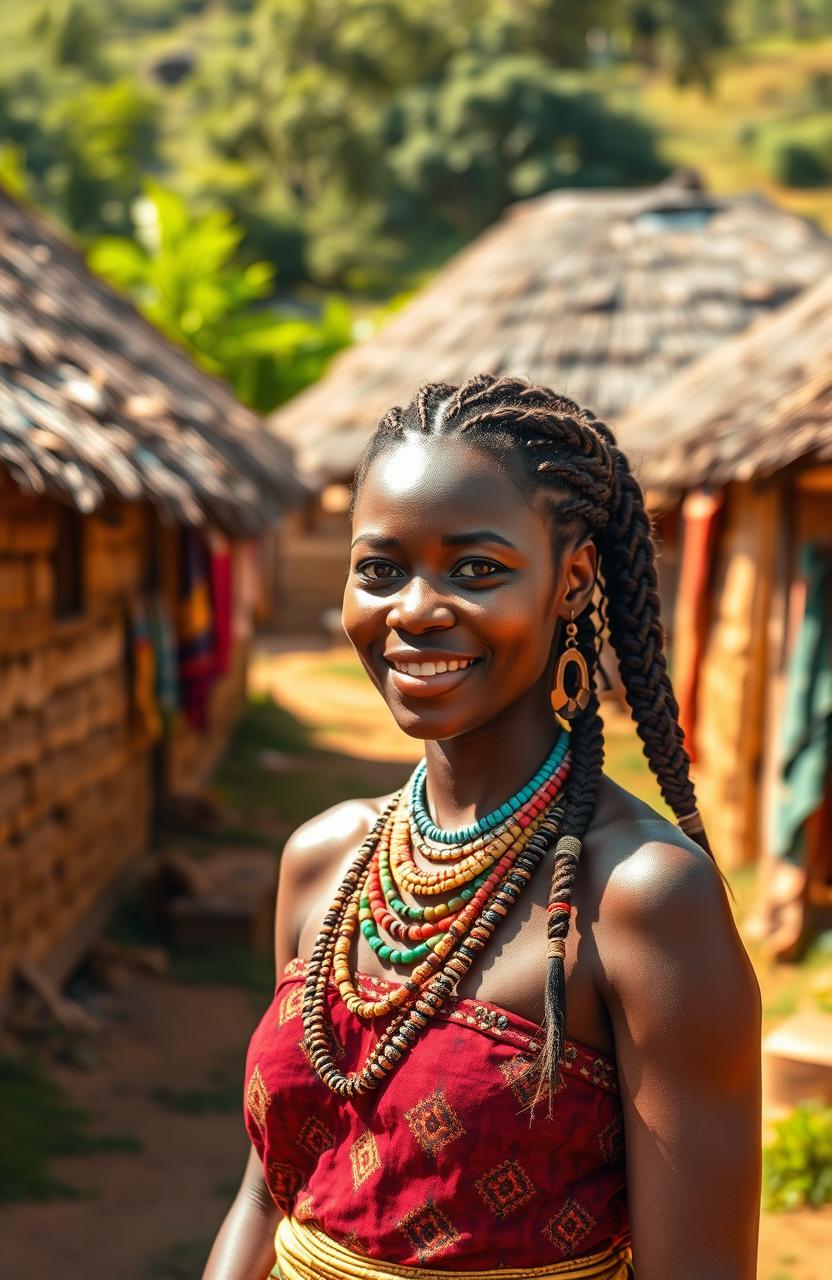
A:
x: 580, y: 573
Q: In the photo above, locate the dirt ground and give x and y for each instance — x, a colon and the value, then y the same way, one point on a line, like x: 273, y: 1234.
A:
x: 167, y: 1064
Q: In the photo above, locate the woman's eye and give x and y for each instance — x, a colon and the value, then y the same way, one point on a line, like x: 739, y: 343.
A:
x: 377, y: 570
x: 478, y: 569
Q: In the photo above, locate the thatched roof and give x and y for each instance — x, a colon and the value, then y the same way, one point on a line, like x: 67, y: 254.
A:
x: 758, y: 404
x: 95, y: 401
x: 601, y: 294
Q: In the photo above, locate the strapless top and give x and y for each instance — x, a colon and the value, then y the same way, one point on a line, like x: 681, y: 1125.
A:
x: 443, y: 1163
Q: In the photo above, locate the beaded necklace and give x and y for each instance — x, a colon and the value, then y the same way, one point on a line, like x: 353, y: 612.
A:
x: 496, y: 860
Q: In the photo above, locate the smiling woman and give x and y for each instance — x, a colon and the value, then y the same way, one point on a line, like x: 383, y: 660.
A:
x: 450, y: 1079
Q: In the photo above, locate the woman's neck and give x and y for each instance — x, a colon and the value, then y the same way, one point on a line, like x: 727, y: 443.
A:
x: 469, y: 776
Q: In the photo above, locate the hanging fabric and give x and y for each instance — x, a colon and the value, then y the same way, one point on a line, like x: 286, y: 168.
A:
x: 700, y: 512
x: 222, y: 598
x: 806, y: 753
x: 195, y: 629
x: 143, y: 662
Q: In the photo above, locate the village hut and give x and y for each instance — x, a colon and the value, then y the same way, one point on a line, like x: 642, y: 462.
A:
x: 603, y: 295
x: 737, y: 455
x: 132, y: 486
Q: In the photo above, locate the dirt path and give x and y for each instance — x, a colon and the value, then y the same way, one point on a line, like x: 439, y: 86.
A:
x: 150, y: 1214
x: 170, y: 1054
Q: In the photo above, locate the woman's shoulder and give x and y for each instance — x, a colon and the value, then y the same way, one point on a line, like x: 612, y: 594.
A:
x: 644, y: 870
x: 329, y: 835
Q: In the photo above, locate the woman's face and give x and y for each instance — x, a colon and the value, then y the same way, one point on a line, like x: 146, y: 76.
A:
x: 453, y: 594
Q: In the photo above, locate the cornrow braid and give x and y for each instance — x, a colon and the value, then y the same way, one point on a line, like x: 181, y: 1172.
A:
x: 573, y: 457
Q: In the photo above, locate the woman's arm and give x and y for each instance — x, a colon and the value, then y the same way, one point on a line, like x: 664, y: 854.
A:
x: 685, y: 1008
x: 244, y: 1247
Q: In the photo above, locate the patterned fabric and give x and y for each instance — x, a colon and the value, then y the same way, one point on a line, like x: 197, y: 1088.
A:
x: 442, y: 1166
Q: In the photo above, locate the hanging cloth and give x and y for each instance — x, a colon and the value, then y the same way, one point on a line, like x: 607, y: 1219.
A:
x: 195, y: 630
x: 700, y: 512
x: 163, y: 640
x: 807, y: 721
x: 222, y: 598
x: 145, y: 706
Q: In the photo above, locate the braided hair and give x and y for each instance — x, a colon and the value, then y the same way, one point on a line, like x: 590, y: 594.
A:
x: 568, y: 453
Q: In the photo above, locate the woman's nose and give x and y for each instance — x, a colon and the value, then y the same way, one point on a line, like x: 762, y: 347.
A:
x: 419, y: 607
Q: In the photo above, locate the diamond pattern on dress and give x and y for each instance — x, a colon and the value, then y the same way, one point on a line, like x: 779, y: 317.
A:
x: 284, y: 1181
x: 314, y: 1136
x: 569, y: 1227
x: 257, y: 1097
x: 505, y: 1188
x: 428, y: 1230
x: 434, y: 1123
x: 290, y: 1006
x: 364, y: 1158
x: 611, y: 1140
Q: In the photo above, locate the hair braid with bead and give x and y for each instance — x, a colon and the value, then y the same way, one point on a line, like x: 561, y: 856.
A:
x: 565, y: 450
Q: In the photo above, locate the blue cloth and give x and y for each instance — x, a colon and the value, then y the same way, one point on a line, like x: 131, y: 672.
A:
x: 806, y: 755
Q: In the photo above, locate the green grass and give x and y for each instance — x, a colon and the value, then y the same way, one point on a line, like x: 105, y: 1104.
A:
x: 218, y: 1095
x: 181, y: 1261
x: 340, y: 671
x: 229, y: 966
x: 38, y: 1124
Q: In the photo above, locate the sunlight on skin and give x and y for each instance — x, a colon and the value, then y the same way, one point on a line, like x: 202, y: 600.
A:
x: 404, y: 468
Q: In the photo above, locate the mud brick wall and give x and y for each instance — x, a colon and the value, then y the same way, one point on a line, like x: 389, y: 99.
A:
x: 74, y: 778
x: 76, y: 792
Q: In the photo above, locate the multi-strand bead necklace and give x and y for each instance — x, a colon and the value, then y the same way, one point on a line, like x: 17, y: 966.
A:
x: 474, y: 876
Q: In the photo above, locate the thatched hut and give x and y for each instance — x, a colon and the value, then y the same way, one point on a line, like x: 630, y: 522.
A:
x: 602, y: 294
x: 737, y: 451
x: 112, y: 447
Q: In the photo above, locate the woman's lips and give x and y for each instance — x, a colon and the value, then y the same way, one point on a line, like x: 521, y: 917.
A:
x: 429, y: 685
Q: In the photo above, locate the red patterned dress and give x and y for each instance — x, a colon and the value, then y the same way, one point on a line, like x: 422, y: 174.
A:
x: 442, y: 1164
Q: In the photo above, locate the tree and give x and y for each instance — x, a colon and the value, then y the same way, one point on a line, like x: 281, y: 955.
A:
x: 495, y: 131
x: 184, y: 273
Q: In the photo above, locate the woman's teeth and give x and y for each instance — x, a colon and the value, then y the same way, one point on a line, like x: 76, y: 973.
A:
x: 432, y: 668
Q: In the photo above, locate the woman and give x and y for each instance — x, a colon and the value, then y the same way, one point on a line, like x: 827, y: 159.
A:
x: 408, y: 1116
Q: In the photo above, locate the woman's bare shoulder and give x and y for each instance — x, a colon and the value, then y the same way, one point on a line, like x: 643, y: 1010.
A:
x: 663, y: 909
x: 639, y: 860
x: 329, y: 836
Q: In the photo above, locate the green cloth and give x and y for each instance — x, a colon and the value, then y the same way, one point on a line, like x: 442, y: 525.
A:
x: 806, y: 755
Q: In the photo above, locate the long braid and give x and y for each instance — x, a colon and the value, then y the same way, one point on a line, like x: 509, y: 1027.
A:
x: 567, y: 453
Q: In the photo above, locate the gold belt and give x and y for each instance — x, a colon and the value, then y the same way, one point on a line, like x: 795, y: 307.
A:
x: 305, y: 1253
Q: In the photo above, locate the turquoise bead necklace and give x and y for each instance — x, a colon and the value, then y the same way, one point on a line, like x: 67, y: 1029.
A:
x: 428, y: 829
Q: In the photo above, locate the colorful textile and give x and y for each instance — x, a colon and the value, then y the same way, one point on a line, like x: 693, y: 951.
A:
x: 163, y: 641
x: 807, y: 721
x: 222, y: 600
x: 145, y: 706
x: 700, y: 511
x: 442, y: 1165
x: 195, y: 631
x: 305, y: 1253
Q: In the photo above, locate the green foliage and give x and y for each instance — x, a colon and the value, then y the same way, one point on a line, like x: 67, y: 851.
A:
x: 355, y: 142
x: 683, y: 36
x: 797, y: 1166
x: 37, y: 1123
x: 184, y: 272
x: 798, y: 153
x: 496, y: 131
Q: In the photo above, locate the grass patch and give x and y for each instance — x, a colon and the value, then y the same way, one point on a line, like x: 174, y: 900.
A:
x: 181, y: 1261
x: 226, y: 1187
x: 340, y: 669
x: 37, y: 1124
x: 231, y: 966
x: 219, y: 1095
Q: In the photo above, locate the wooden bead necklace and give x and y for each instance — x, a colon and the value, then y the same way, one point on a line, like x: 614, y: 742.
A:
x: 490, y: 887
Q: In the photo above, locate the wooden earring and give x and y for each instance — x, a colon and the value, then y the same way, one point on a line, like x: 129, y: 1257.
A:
x: 567, y: 706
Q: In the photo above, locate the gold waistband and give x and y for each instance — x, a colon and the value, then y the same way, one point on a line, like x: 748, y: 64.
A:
x: 305, y: 1253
